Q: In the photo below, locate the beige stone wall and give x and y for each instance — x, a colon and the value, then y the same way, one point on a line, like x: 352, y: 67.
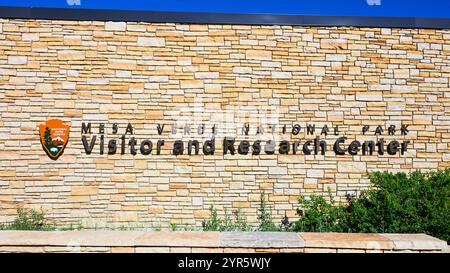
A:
x: 144, y: 73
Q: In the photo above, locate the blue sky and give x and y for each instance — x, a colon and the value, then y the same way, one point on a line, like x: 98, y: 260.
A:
x: 394, y: 8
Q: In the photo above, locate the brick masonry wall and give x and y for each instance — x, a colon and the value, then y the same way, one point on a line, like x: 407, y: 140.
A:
x: 117, y: 72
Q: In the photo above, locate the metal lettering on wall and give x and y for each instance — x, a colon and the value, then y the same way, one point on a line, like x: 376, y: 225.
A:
x: 117, y: 140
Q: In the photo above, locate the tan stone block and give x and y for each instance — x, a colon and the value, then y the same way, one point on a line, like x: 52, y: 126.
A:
x: 157, y: 115
x: 151, y: 41
x: 330, y: 240
x: 156, y: 210
x: 354, y: 70
x: 104, y: 166
x: 17, y: 60
x: 72, y: 40
x: 17, y: 184
x: 122, y: 64
x: 210, y: 41
x: 136, y: 27
x: 266, y: 94
x: 334, y: 116
x: 179, y: 239
x: 239, y: 204
x: 167, y: 193
x: 279, y: 198
x: 123, y: 178
x: 78, y: 199
x: 6, y: 198
x: 333, y: 43
x: 243, y: 82
x: 204, y: 214
x: 213, y: 88
x: 401, y: 73
x: 119, y: 249
x: 126, y: 216
x: 258, y: 54
x: 84, y: 190
x: 115, y: 26
x: 415, y: 242
x: 71, y: 55
x: 245, y: 97
x: 425, y: 66
x: 316, y: 70
x: 118, y: 197
x: 422, y: 119
x: 369, y: 96
x: 150, y: 189
x: 310, y: 184
x: 188, y: 84
x: 7, y: 173
x: 178, y: 99
x: 141, y: 164
x: 352, y: 167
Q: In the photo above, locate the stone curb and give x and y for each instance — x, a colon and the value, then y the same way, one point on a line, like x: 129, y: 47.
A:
x: 178, y: 239
x: 261, y: 240
x: 217, y: 240
x: 346, y: 240
x: 65, y: 238
x: 415, y: 242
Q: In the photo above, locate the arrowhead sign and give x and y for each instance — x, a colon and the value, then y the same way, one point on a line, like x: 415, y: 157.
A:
x: 54, y: 136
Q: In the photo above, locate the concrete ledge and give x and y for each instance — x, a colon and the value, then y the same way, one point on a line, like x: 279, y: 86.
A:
x: 346, y: 241
x: 261, y: 240
x: 137, y: 241
x: 178, y: 239
x: 415, y: 242
x: 64, y: 238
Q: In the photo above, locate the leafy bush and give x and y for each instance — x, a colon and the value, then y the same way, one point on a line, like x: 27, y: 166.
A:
x: 317, y: 215
x: 266, y: 223
x: 215, y: 223
x: 173, y: 227
x: 403, y: 204
x: 398, y: 203
x: 265, y: 216
x: 29, y: 219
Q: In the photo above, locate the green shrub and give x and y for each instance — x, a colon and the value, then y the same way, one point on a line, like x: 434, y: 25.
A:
x: 318, y: 215
x: 173, y: 227
x: 265, y: 216
x: 397, y: 203
x: 215, y: 223
x: 418, y: 203
x: 240, y: 223
x: 29, y: 219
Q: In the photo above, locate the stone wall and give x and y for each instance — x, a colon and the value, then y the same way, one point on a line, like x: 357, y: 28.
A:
x: 215, y: 242
x: 148, y: 74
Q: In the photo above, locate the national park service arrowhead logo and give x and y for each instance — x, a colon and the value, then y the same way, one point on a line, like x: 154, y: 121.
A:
x: 54, y: 135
